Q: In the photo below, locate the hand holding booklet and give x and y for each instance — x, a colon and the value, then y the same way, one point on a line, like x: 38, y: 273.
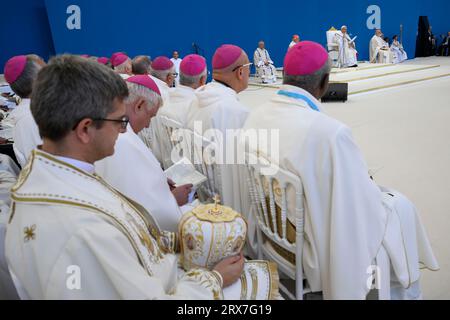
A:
x: 183, y: 172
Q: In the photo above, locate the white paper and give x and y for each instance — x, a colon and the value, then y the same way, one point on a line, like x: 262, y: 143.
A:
x: 183, y: 172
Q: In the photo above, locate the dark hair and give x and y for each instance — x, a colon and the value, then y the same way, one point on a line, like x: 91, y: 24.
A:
x: 394, y: 37
x: 70, y: 89
x: 23, y: 86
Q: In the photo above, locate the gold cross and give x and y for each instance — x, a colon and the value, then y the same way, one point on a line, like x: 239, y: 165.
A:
x: 30, y: 233
x: 216, y: 202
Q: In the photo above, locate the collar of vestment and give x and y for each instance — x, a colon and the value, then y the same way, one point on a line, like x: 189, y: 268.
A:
x: 298, y: 96
x: 88, y: 167
x: 187, y: 88
x: 48, y: 180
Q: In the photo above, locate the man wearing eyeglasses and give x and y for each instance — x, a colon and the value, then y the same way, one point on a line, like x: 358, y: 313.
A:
x: 218, y: 108
x: 144, y: 181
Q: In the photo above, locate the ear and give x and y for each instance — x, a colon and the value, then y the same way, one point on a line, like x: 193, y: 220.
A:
x: 324, y: 84
x: 202, y: 81
x: 84, y: 129
x: 138, y: 105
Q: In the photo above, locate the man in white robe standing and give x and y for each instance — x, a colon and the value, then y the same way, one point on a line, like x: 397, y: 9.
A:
x: 70, y: 234
x: 379, y: 49
x: 176, y: 60
x: 144, y: 181
x: 351, y: 223
x: 122, y: 65
x: 347, y: 52
x: 219, y: 114
x: 193, y: 75
x: 21, y: 72
x: 265, y: 68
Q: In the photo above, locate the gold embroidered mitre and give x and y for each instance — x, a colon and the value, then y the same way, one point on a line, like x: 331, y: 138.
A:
x: 209, y: 234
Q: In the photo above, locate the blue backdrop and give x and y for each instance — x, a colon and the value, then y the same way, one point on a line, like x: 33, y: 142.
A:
x: 158, y: 28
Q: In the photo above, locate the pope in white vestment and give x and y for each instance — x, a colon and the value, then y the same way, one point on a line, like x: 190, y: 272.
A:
x: 347, y: 52
x: 349, y: 220
x: 265, y: 68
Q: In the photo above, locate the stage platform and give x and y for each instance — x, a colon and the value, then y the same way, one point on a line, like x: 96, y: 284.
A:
x: 369, y: 77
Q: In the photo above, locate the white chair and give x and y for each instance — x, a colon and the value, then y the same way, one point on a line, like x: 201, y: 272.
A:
x: 202, y: 152
x: 168, y: 133
x: 263, y: 193
x: 333, y: 48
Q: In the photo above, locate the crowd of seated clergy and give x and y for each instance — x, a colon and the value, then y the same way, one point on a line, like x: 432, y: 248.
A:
x: 92, y: 192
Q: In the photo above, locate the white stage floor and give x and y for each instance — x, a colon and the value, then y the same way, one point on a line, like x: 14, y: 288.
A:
x: 403, y: 132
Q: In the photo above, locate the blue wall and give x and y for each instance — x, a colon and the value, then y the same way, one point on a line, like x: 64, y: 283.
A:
x: 141, y: 27
x: 24, y: 29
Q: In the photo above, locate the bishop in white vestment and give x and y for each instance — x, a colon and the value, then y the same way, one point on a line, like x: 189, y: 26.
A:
x: 193, y: 74
x: 162, y: 72
x: 351, y: 223
x: 379, y: 49
x: 143, y: 181
x: 20, y: 73
x: 218, y: 108
x: 265, y: 68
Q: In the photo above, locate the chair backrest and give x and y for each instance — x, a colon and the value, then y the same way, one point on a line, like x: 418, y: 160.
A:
x: 331, y: 45
x: 202, y: 153
x: 169, y: 138
x: 271, y: 190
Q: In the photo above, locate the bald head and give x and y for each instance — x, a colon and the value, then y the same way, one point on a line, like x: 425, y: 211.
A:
x: 231, y: 66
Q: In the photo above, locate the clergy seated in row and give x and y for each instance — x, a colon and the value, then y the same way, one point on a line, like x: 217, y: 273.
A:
x: 193, y: 75
x: 141, y: 65
x: 350, y: 222
x: 400, y: 54
x: 66, y: 216
x: 218, y: 109
x: 265, y: 68
x: 144, y: 181
x: 348, y: 56
x: 122, y: 65
x: 379, y: 49
x: 20, y: 73
x: 295, y: 40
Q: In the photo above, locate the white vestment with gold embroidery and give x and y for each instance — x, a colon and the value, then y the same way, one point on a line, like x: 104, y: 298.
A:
x: 72, y: 236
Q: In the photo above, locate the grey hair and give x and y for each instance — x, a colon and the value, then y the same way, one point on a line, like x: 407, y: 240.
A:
x: 122, y: 68
x: 70, y: 89
x: 141, y: 65
x: 190, y: 81
x: 137, y: 91
x: 23, y: 86
x: 162, y: 74
x: 309, y: 82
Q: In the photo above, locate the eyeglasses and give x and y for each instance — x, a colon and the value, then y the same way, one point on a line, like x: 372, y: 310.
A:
x: 123, y: 122
x: 244, y: 65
